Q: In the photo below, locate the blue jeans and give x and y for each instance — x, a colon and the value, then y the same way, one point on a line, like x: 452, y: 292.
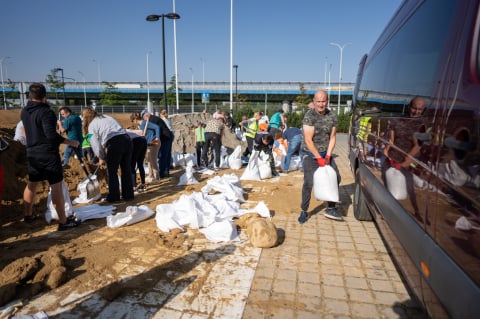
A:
x: 68, y: 152
x: 165, y: 156
x: 293, y: 145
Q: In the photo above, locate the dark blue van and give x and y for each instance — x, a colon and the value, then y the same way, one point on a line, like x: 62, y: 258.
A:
x: 414, y: 148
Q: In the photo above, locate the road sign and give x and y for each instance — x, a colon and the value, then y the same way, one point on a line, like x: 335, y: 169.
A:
x: 205, y: 97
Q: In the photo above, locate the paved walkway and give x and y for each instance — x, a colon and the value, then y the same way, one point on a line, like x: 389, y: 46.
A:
x: 322, y: 269
x: 329, y: 269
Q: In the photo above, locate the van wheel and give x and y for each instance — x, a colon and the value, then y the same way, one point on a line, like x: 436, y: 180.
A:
x: 360, y: 209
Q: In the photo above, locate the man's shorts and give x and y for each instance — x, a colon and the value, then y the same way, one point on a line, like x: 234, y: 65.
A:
x: 45, y: 167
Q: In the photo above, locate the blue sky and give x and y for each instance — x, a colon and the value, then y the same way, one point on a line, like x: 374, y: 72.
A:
x: 273, y: 40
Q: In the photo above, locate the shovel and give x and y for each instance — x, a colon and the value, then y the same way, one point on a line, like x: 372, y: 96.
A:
x: 92, y: 187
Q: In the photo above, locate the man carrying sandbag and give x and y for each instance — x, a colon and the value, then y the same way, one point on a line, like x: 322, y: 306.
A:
x: 319, y: 131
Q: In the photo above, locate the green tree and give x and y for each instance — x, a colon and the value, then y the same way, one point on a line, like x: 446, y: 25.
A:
x: 303, y: 99
x: 110, y: 95
x: 171, y: 92
x: 54, y: 83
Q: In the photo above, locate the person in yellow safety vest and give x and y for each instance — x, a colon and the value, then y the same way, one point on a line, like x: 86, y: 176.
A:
x: 364, y: 128
x: 252, y: 128
x: 199, y: 141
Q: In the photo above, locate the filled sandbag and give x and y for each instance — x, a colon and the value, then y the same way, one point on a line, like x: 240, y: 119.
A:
x: 262, y: 233
x: 325, y: 184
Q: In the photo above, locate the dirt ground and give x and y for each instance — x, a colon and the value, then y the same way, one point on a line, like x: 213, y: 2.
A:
x: 35, y: 257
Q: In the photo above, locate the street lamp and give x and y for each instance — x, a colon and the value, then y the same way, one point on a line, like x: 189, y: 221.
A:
x: 231, y: 56
x: 191, y: 70
x: 340, y: 47
x: 156, y: 17
x: 63, y: 84
x: 84, y: 89
x: 175, y: 56
x: 149, y: 104
x: 235, y: 66
x: 98, y: 73
x: 203, y: 78
x: 3, y: 84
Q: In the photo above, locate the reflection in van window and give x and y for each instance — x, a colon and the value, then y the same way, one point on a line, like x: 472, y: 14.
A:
x: 407, y: 65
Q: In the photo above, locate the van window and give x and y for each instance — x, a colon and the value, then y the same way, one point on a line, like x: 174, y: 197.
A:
x: 407, y: 64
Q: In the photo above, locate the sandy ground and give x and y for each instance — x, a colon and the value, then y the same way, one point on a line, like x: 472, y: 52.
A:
x: 36, y: 258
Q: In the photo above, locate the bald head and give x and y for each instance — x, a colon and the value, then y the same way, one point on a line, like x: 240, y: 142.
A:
x: 320, y: 101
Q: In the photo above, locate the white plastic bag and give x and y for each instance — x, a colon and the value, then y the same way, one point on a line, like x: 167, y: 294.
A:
x: 224, y: 230
x: 396, y: 183
x: 187, y: 178
x: 133, y: 215
x: 325, y: 184
x: 235, y: 159
x: 252, y: 172
x: 51, y: 213
x: 264, y: 166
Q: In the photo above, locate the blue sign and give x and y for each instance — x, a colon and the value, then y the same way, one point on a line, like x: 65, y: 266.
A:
x: 205, y: 97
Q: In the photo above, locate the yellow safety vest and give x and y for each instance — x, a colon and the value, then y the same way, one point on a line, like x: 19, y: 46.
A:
x: 252, y: 129
x: 364, y: 128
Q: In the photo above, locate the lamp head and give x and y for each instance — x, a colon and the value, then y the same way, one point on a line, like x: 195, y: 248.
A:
x: 173, y: 16
x: 156, y: 17
x: 153, y: 17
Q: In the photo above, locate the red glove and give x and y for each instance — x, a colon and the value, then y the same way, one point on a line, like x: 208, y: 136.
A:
x: 320, y: 161
x: 327, y: 159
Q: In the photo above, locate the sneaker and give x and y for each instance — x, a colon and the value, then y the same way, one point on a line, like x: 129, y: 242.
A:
x: 332, y: 213
x: 70, y: 223
x: 29, y: 219
x: 275, y: 173
x: 141, y: 188
x: 106, y: 200
x: 303, y: 217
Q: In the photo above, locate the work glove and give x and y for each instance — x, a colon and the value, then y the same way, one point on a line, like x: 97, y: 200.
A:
x: 327, y: 159
x: 320, y: 161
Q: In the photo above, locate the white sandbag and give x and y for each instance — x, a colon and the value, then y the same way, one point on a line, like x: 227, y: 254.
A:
x: 223, y: 157
x: 325, y: 184
x: 252, y: 172
x: 227, y: 184
x: 295, y: 163
x: 235, y: 159
x: 224, y: 230
x: 133, y: 215
x: 260, y: 209
x: 264, y: 166
x: 187, y: 178
x: 51, y: 213
x: 179, y: 159
x: 226, y: 209
x: 164, y: 217
x: 396, y: 183
x: 93, y: 211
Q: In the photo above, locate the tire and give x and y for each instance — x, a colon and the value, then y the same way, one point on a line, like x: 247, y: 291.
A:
x: 360, y: 208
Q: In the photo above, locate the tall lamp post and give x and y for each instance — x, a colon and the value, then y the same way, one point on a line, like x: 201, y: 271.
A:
x: 156, y: 17
x: 193, y: 97
x: 84, y: 89
x: 98, y: 73
x: 235, y: 66
x: 63, y: 84
x: 3, y: 84
x: 149, y: 104
x: 340, y: 47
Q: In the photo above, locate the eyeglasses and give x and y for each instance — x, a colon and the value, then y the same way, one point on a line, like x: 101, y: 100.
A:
x: 3, y: 144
